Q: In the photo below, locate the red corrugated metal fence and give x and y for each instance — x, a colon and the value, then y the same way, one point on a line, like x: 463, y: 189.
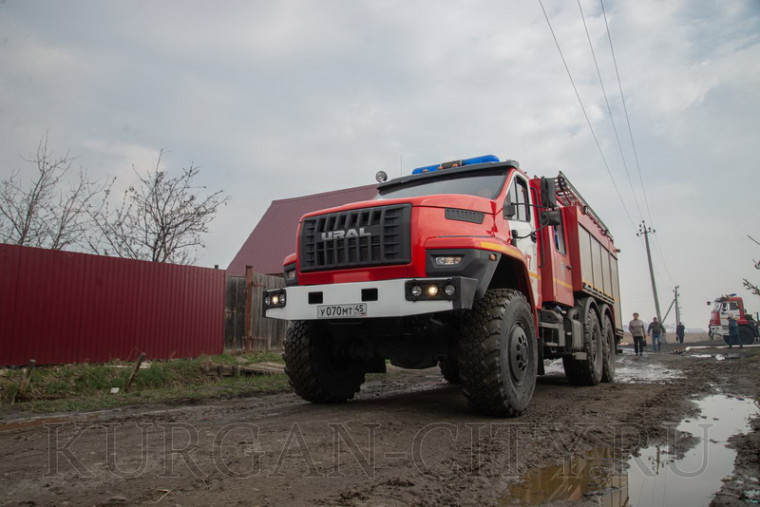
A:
x: 61, y: 307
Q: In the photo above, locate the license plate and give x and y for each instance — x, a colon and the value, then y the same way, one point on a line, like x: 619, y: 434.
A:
x: 342, y: 311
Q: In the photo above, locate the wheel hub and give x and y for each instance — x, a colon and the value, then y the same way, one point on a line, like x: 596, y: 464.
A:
x: 518, y: 354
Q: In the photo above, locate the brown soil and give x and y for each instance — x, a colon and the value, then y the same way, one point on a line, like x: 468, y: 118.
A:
x: 408, y: 439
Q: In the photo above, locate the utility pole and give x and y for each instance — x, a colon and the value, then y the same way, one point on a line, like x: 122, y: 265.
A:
x: 646, y: 231
x: 678, y: 307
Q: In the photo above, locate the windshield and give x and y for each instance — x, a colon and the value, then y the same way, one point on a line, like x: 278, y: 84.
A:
x: 486, y: 184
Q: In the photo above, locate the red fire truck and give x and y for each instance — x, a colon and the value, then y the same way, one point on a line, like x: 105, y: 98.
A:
x: 727, y: 306
x: 470, y: 265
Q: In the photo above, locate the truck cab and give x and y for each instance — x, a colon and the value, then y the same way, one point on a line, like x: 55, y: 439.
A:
x: 433, y: 229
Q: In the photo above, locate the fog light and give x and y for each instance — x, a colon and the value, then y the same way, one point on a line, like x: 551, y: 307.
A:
x: 274, y: 298
x: 432, y: 290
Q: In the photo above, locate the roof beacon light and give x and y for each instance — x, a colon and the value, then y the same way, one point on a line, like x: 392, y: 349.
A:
x: 457, y: 163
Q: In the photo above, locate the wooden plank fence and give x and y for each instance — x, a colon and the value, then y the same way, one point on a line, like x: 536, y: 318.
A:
x: 234, y: 313
x: 265, y: 334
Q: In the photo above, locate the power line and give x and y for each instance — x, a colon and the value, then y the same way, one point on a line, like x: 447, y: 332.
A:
x: 630, y: 133
x: 625, y: 109
x: 662, y: 257
x: 609, y: 109
x: 588, y: 121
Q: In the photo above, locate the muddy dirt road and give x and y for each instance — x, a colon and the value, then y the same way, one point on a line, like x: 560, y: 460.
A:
x: 409, y: 439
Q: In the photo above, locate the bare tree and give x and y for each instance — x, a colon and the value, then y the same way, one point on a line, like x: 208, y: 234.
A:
x: 747, y: 284
x: 160, y: 219
x: 48, y: 212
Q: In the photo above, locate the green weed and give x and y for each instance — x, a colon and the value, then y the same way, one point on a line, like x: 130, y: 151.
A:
x: 88, y: 386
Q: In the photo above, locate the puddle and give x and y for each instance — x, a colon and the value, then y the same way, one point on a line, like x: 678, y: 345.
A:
x: 553, y: 367
x: 717, y: 357
x: 654, y: 477
x: 629, y: 369
x: 582, y: 477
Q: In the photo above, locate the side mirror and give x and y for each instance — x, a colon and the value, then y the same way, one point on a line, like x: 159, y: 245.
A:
x: 548, y: 193
x: 553, y: 217
x: 510, y: 210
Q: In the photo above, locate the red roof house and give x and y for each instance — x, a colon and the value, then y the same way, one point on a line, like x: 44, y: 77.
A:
x: 274, y: 237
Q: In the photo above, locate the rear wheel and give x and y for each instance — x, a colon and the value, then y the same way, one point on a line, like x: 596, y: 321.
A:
x: 319, y: 369
x: 588, y: 371
x: 498, y: 354
x: 608, y: 350
x: 746, y: 335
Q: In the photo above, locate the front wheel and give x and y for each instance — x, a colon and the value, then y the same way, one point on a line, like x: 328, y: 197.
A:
x: 498, y: 358
x: 319, y: 369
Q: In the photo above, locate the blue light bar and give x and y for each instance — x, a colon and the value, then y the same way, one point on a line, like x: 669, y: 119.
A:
x: 457, y: 163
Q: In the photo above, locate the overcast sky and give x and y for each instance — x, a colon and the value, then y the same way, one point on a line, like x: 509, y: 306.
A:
x: 278, y: 99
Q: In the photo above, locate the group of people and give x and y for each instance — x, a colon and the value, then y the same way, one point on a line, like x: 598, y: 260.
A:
x: 639, y: 330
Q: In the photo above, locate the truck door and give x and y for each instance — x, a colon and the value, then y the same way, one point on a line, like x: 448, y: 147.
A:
x: 729, y: 308
x: 521, y: 225
x: 562, y: 281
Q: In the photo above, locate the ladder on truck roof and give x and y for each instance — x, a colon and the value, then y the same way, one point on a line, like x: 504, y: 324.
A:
x: 568, y: 195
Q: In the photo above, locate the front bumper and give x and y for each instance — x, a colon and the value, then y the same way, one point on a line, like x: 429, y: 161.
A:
x: 361, y: 300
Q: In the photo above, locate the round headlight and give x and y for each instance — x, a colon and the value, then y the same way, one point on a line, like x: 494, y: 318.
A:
x: 449, y: 290
x: 432, y: 291
x: 416, y: 291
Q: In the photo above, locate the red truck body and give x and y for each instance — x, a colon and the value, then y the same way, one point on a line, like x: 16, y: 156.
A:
x: 468, y: 265
x: 732, y: 306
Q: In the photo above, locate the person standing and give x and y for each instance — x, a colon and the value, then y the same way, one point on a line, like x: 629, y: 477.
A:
x: 655, y: 329
x: 636, y: 327
x: 680, y: 332
x: 733, y: 333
